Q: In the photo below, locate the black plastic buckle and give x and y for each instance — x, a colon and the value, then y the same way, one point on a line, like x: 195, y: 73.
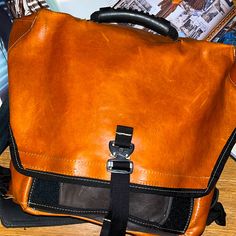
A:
x: 120, y: 157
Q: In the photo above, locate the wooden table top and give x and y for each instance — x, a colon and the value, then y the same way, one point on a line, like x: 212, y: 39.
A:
x: 226, y: 185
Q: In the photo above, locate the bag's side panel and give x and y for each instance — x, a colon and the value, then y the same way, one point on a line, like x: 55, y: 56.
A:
x: 233, y: 73
x: 231, y: 88
x: 199, y: 216
x: 20, y: 187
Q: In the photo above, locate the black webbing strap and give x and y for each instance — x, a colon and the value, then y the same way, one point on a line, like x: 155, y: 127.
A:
x: 123, y: 136
x: 5, y: 177
x: 217, y: 213
x: 121, y: 167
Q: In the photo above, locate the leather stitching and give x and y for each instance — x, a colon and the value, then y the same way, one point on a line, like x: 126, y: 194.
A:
x: 23, y: 35
x: 63, y: 209
x: 190, y: 215
x: 107, y: 183
x: 96, y: 164
x: 159, y: 227
x: 31, y: 190
x: 103, y: 212
x: 231, y: 80
x: 49, y: 174
x: 152, y: 225
x: 65, y: 171
x: 234, y: 64
x: 197, y: 212
x: 58, y: 158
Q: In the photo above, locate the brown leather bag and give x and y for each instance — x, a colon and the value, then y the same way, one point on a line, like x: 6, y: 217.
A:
x: 163, y: 109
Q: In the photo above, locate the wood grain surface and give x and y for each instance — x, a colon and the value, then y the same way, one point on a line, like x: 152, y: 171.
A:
x: 227, y: 186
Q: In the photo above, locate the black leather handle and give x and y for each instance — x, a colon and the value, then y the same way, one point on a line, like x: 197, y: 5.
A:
x: 157, y: 24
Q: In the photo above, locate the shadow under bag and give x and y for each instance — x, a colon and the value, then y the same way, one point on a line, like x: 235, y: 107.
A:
x: 118, y: 126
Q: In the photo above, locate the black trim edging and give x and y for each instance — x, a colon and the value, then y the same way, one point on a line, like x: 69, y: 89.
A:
x: 196, y: 193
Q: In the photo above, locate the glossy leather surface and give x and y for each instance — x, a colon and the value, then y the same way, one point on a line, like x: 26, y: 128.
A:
x: 199, y: 215
x: 20, y: 189
x: 73, y: 81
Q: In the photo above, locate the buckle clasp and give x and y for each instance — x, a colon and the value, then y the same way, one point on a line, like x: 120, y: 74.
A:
x: 120, y: 163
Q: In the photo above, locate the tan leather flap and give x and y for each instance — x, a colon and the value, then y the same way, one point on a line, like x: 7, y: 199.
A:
x: 73, y: 81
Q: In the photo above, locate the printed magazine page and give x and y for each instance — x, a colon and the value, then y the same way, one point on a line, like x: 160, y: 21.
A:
x: 192, y: 18
x: 197, y: 21
x: 225, y: 32
x: 3, y: 74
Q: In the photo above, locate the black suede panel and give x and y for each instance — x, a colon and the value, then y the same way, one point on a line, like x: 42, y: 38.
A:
x: 84, y: 197
x: 148, y: 212
x: 44, y: 192
x: 153, y: 208
x: 180, y: 213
